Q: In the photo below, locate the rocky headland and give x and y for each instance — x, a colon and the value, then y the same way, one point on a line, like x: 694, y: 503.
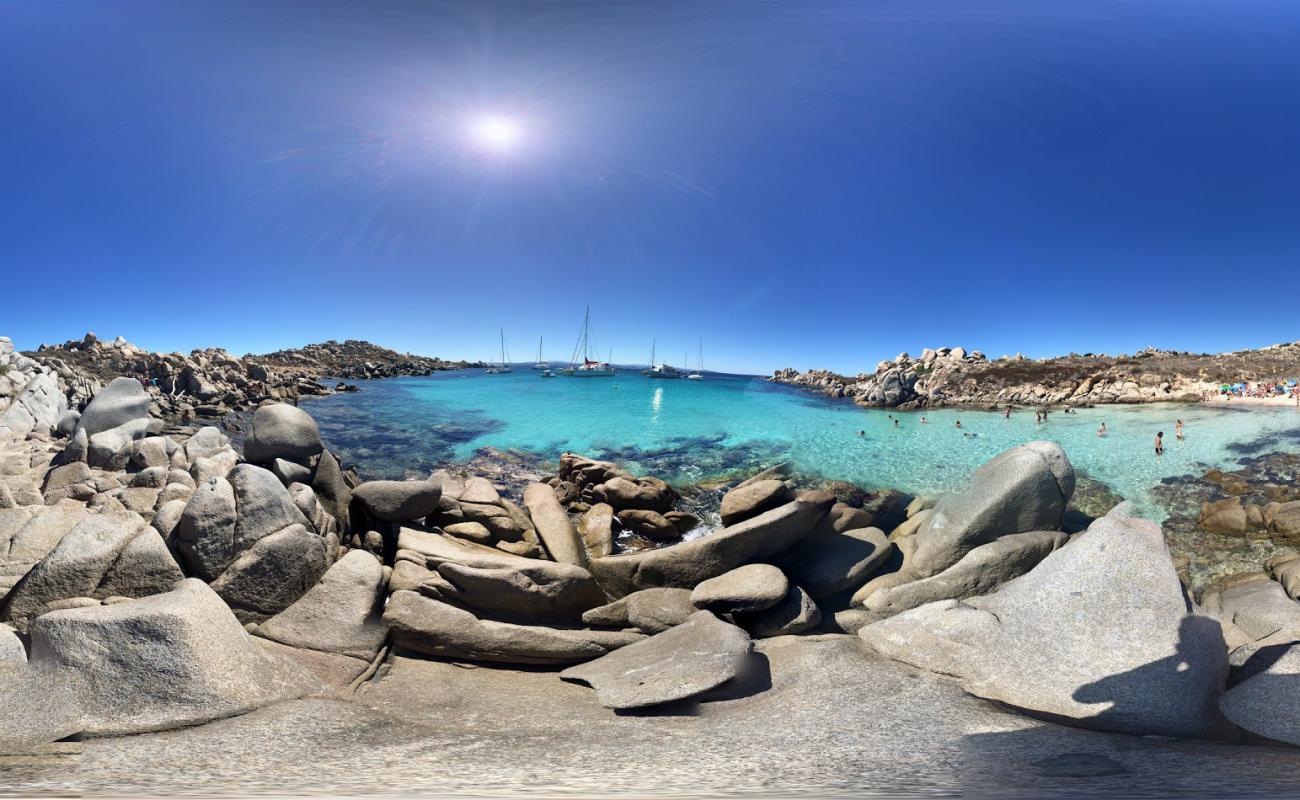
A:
x: 212, y: 382
x: 957, y: 377
x: 156, y: 579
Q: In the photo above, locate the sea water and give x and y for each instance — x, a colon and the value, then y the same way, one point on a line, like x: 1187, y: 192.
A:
x: 686, y: 431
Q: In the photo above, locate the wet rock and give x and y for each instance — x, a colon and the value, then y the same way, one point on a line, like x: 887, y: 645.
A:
x: 683, y: 662
x: 1225, y: 517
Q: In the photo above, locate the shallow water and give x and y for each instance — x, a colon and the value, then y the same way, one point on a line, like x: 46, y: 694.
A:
x: 687, y: 430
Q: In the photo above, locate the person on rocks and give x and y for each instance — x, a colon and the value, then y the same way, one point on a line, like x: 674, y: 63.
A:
x: 1160, y: 443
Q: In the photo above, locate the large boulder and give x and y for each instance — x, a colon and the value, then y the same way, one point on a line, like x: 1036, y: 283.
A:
x: 752, y: 499
x: 263, y: 504
x: 106, y: 554
x: 839, y: 562
x: 752, y: 587
x: 205, y: 533
x: 274, y: 572
x: 28, y: 535
x: 38, y: 406
x: 1024, y: 489
x: 686, y: 564
x: 439, y: 629
x: 979, y: 572
x: 1268, y: 703
x: 685, y: 661
x: 1258, y: 606
x: 166, y: 661
x: 341, y: 614
x: 553, y: 526
x: 398, y: 501
x: 328, y: 484
x: 118, y: 403
x: 597, y: 530
x: 796, y: 613
x: 279, y: 430
x: 1099, y: 633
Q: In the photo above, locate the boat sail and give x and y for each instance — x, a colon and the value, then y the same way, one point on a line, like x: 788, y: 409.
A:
x: 540, y: 363
x: 659, y: 370
x: 588, y: 368
x: 505, y: 363
x: 698, y: 374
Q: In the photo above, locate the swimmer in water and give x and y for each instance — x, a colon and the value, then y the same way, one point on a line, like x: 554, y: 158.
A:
x: 1102, y: 430
x: 1160, y: 443
x: 958, y: 423
x: 923, y: 420
x: 895, y: 423
x: 1178, y: 430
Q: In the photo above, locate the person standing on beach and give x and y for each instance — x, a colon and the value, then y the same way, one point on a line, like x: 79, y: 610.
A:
x: 1160, y: 443
x: 1178, y: 430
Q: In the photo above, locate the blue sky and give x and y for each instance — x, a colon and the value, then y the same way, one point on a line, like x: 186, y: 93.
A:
x: 800, y: 184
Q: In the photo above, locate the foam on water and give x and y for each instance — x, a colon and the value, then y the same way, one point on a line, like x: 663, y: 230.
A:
x: 685, y: 430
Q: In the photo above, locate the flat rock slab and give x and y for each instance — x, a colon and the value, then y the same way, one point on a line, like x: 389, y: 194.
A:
x: 341, y: 614
x: 701, y: 654
x: 439, y: 629
x: 399, y: 501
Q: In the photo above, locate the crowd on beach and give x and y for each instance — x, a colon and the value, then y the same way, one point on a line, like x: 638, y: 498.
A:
x: 1289, y: 388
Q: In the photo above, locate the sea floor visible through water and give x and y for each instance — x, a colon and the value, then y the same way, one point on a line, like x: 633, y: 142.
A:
x: 729, y: 425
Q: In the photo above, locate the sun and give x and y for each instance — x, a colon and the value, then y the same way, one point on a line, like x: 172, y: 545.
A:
x: 497, y: 135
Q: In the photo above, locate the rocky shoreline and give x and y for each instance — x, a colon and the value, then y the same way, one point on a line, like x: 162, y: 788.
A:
x: 957, y: 377
x: 156, y: 578
x: 212, y: 383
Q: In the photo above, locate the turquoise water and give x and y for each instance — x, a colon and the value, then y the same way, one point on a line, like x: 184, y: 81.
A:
x: 686, y: 430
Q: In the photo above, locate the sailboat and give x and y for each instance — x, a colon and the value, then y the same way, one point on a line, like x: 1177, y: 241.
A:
x: 659, y: 370
x: 540, y: 363
x: 505, y: 363
x: 588, y: 368
x: 698, y: 374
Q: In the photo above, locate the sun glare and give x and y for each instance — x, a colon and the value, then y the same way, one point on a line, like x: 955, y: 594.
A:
x: 495, y: 134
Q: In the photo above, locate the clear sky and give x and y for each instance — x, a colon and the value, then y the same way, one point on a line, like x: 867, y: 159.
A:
x: 798, y: 184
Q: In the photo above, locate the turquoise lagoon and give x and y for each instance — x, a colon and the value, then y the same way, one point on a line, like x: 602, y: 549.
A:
x: 691, y: 430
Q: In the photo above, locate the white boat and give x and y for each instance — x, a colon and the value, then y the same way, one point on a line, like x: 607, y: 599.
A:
x: 588, y: 368
x: 540, y: 363
x: 659, y: 370
x: 698, y: 374
x: 546, y: 373
x: 504, y: 366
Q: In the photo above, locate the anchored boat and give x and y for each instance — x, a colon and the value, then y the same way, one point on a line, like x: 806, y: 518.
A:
x: 659, y: 370
x: 588, y: 368
x: 504, y: 366
x: 698, y: 374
